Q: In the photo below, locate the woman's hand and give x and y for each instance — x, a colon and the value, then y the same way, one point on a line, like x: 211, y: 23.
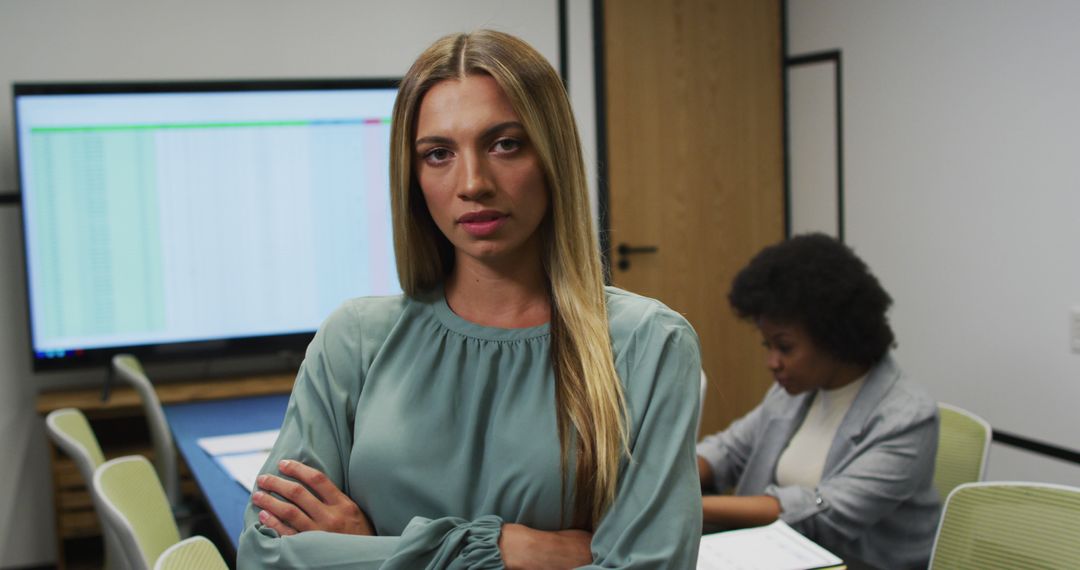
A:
x: 524, y: 548
x: 316, y: 504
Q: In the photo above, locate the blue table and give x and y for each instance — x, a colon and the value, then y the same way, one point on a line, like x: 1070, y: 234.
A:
x: 189, y: 422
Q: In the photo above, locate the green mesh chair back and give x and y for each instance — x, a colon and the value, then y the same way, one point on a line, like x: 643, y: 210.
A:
x: 136, y: 506
x: 963, y: 446
x: 195, y: 553
x: 1006, y: 525
x: 130, y: 371
x: 71, y: 432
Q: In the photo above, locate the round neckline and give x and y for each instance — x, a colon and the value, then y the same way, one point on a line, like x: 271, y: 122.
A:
x: 844, y: 395
x: 454, y: 322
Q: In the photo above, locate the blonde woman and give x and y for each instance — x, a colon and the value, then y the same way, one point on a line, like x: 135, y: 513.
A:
x: 508, y: 410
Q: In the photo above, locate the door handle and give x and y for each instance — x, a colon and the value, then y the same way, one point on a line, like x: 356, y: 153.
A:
x: 625, y: 251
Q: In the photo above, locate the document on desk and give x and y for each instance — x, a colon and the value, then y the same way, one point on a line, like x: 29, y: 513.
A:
x: 771, y: 547
x: 241, y: 455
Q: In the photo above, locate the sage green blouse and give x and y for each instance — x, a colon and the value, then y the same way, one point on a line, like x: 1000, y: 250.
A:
x: 441, y: 430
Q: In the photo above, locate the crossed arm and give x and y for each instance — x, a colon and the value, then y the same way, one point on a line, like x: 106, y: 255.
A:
x: 312, y: 503
x: 304, y: 515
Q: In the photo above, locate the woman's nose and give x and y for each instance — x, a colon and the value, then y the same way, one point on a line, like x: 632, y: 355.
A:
x: 477, y: 183
x: 772, y: 360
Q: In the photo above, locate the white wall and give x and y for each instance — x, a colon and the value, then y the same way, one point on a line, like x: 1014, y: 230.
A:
x: 962, y: 190
x: 54, y: 40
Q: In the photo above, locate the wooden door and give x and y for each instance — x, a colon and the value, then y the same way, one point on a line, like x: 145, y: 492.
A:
x: 695, y: 168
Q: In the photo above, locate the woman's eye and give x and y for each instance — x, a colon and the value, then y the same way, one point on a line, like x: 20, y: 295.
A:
x: 436, y: 155
x: 506, y: 145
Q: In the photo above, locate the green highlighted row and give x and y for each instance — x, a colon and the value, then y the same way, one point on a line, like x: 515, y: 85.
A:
x: 229, y: 125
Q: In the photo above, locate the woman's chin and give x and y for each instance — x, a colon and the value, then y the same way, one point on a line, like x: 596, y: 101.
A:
x: 791, y: 389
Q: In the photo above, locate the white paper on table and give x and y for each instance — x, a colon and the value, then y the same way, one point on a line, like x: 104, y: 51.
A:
x: 241, y: 455
x: 771, y: 547
x: 239, y: 443
x: 243, y: 467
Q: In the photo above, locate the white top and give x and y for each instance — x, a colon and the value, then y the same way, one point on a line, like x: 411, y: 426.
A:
x: 803, y: 461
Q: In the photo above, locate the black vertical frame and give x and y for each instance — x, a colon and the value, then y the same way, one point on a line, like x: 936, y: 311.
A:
x: 564, y: 34
x: 785, y: 136
x: 824, y: 57
x: 600, y: 87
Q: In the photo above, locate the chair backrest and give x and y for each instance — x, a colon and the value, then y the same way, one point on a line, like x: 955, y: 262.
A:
x: 1006, y: 525
x: 134, y: 503
x: 963, y: 447
x: 195, y: 553
x: 130, y: 370
x: 71, y: 432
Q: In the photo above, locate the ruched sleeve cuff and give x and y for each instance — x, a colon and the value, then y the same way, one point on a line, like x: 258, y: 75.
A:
x: 482, y: 544
x: 452, y: 543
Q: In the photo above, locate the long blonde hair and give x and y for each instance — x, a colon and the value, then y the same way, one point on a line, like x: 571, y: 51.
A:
x: 590, y: 404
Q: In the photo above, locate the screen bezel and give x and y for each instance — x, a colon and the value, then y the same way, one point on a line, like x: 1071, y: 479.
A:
x: 274, y: 344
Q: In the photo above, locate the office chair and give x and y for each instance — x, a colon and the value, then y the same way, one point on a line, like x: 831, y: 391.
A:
x: 130, y: 370
x: 70, y: 431
x: 963, y: 448
x: 195, y: 553
x: 134, y: 504
x: 189, y: 515
x: 1006, y: 525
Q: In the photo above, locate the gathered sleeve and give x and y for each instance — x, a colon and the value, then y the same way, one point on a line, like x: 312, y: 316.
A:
x: 655, y: 520
x: 318, y: 431
x: 889, y: 467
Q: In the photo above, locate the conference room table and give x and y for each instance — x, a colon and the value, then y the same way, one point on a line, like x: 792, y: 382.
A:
x: 191, y: 421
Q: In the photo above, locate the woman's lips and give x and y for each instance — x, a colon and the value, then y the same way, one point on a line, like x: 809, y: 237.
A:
x: 482, y: 224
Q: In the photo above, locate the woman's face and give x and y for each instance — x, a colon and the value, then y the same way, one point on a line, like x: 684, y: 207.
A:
x: 796, y: 363
x: 480, y: 175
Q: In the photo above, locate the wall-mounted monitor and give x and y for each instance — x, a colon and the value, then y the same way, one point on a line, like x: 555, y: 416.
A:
x: 199, y: 219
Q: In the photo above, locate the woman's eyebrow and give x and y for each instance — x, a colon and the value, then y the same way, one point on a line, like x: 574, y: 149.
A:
x: 495, y: 129
x: 432, y: 139
x: 486, y: 134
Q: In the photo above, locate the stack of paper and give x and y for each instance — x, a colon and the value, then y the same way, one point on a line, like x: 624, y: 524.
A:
x: 772, y: 547
x: 241, y: 455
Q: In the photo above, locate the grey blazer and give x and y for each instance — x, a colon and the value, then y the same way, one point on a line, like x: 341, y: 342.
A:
x: 876, y: 501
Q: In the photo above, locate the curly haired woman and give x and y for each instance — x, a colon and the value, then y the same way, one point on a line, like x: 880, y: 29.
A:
x: 842, y: 447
